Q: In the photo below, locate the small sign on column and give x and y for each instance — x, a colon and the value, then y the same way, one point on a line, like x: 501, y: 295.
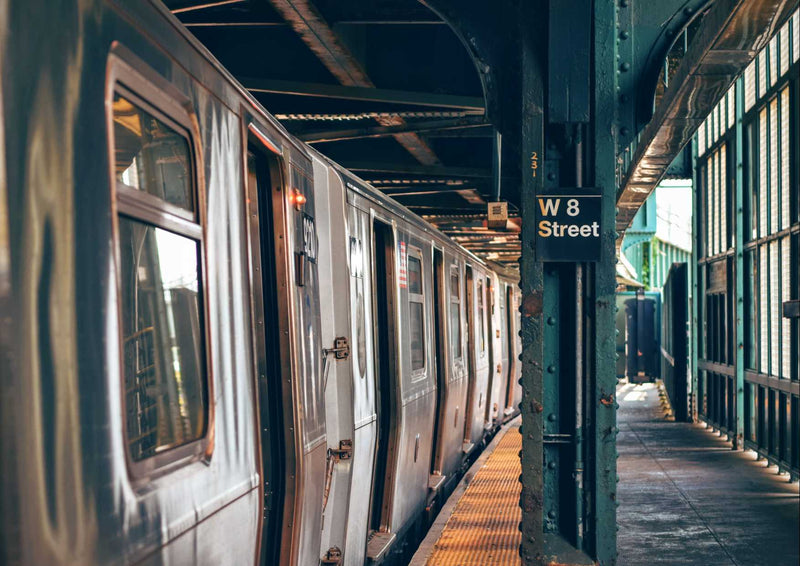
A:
x: 497, y: 215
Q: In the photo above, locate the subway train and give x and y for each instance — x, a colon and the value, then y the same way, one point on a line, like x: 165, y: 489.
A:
x: 216, y: 345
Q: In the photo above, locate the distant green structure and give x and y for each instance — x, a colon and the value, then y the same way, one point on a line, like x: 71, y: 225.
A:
x: 660, y: 235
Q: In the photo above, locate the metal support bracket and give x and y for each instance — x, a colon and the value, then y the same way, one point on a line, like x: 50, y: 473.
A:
x: 344, y: 452
x: 340, y: 350
x: 332, y: 557
x: 558, y: 439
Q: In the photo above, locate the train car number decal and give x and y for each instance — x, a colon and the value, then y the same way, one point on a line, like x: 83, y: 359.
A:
x: 309, y: 238
x: 402, y: 276
x: 356, y: 258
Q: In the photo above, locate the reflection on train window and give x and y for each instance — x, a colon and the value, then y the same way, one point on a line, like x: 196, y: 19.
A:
x: 416, y: 302
x: 414, y: 276
x: 481, y: 328
x: 151, y: 156
x: 160, y: 242
x: 164, y: 394
x: 362, y: 335
x: 455, y: 314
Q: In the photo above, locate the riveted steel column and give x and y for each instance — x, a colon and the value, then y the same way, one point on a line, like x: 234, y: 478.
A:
x: 602, y: 277
x: 531, y: 283
x: 738, y: 269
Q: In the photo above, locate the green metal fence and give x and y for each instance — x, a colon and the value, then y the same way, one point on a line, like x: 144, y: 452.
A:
x: 747, y: 256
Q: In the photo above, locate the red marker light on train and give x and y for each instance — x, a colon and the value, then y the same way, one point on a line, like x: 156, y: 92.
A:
x: 297, y: 198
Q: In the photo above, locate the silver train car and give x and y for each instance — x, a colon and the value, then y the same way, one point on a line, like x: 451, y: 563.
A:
x: 216, y: 346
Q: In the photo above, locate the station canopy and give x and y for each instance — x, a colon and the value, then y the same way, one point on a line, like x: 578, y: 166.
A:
x: 386, y: 89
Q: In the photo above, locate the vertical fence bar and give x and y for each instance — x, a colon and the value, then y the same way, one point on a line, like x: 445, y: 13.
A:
x: 738, y: 269
x: 694, y: 267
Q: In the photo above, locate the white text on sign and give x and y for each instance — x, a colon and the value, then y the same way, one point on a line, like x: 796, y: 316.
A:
x: 553, y: 229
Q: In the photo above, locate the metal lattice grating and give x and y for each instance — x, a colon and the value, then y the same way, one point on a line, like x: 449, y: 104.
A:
x: 484, y: 528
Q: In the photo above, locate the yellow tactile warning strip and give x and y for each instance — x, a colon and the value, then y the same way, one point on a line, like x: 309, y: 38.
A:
x: 484, y: 528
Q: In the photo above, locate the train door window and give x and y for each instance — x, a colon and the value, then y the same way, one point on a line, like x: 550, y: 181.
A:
x: 493, y: 334
x: 455, y: 313
x: 416, y: 302
x: 384, y: 271
x: 481, y: 325
x: 160, y: 269
x: 440, y: 343
x: 511, y: 346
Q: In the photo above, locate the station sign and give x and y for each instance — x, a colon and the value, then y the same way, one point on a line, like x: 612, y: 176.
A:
x: 568, y: 225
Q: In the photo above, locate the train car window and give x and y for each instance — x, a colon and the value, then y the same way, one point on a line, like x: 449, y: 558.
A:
x: 481, y: 327
x: 161, y: 287
x: 150, y: 155
x: 416, y: 301
x: 455, y: 313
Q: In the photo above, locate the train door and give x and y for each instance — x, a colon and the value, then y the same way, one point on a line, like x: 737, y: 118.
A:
x: 337, y: 373
x: 501, y: 392
x: 472, y: 330
x: 512, y: 385
x: 262, y: 175
x: 386, y: 371
x: 492, y: 333
x: 439, y: 312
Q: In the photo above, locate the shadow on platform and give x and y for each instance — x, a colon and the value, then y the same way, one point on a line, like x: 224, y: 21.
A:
x: 686, y: 498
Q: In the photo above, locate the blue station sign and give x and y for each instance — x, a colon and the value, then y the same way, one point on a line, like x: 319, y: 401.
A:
x: 568, y: 225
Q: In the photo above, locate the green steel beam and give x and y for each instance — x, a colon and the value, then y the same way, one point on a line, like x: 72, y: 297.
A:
x: 738, y: 270
x: 554, y: 375
x: 533, y: 76
x: 603, y: 281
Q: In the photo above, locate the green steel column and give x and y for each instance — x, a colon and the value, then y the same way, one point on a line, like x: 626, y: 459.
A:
x: 738, y: 270
x: 694, y: 331
x: 531, y: 283
x: 603, y: 280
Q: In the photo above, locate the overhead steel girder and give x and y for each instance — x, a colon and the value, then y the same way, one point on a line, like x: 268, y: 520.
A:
x: 485, y: 31
x: 490, y: 34
x: 427, y: 170
x: 382, y: 131
x: 315, y: 32
x: 426, y: 190
x: 646, y: 31
x: 731, y: 34
x: 204, y: 5
x: 364, y: 94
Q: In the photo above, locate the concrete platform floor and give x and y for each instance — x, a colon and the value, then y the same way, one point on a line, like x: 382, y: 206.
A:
x: 687, y: 499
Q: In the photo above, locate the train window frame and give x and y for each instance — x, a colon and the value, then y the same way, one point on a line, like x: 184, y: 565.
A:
x: 132, y: 79
x: 481, y: 305
x: 418, y: 298
x: 455, y: 271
